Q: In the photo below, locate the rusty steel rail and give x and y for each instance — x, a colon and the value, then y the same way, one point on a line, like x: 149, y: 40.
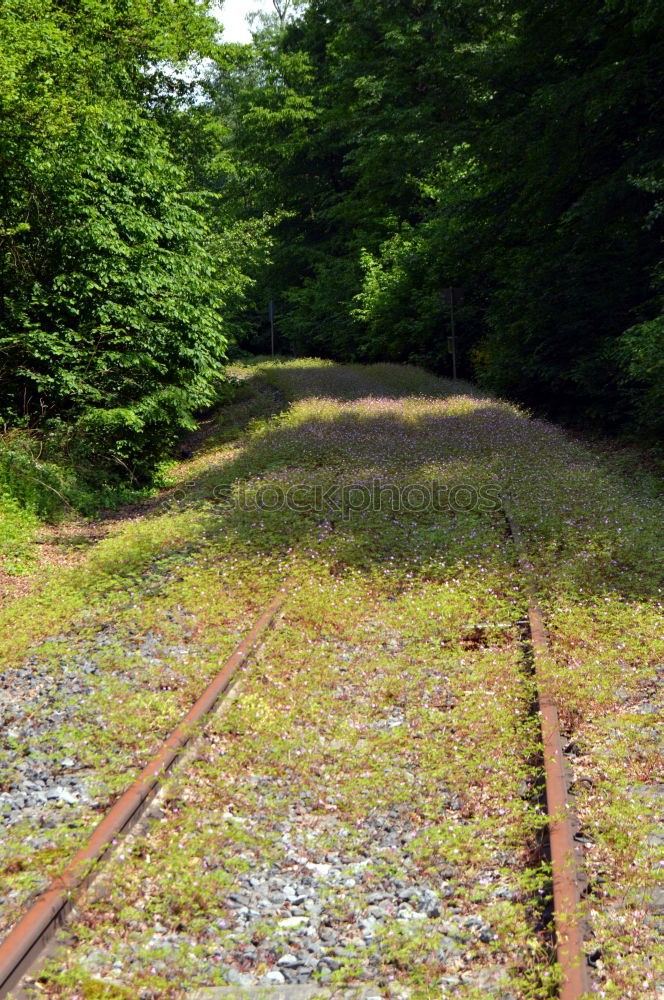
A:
x: 568, y: 882
x: 25, y: 943
x: 565, y: 862
x: 30, y: 936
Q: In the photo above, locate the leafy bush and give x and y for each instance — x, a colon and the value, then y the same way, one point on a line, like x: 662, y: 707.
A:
x: 319, y: 315
x: 399, y: 305
x: 113, y: 278
x: 17, y: 530
x: 119, y: 329
x: 29, y: 480
x: 641, y: 350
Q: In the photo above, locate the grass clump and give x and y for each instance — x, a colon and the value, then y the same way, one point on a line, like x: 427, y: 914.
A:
x: 394, y: 685
x: 18, y: 528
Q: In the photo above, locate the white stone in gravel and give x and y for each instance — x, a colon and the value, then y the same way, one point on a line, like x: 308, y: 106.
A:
x: 405, y: 913
x: 293, y: 922
x: 322, y: 870
x: 288, y: 961
x: 274, y: 977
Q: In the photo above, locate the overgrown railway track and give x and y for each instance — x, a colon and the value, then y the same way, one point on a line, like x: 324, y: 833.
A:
x: 368, y: 807
x: 26, y: 944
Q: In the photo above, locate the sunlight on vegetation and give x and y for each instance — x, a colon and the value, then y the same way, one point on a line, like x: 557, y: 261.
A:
x: 380, y: 594
x: 238, y: 284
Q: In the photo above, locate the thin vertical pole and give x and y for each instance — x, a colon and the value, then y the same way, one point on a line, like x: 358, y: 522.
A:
x: 272, y: 325
x: 453, y: 328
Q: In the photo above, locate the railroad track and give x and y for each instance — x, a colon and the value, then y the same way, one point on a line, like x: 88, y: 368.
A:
x: 26, y: 944
x: 566, y: 862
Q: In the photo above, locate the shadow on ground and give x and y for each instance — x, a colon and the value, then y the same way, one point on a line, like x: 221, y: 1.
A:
x: 303, y: 477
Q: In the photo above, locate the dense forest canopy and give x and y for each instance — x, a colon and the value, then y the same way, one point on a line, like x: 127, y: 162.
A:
x: 352, y: 163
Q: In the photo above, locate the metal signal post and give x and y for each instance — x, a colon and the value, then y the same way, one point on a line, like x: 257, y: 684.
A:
x: 454, y: 297
x: 453, y: 338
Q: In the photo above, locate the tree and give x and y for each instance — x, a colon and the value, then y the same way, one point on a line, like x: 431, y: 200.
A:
x: 283, y: 11
x: 510, y: 148
x: 111, y: 318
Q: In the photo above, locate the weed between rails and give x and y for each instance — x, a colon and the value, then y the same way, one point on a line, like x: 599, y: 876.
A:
x: 539, y: 863
x: 288, y: 780
x: 394, y: 692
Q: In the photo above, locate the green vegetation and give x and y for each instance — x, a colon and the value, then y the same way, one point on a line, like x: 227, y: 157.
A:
x: 354, y: 164
x: 379, y: 596
x: 351, y: 164
x: 17, y: 530
x: 114, y: 265
x: 509, y: 149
